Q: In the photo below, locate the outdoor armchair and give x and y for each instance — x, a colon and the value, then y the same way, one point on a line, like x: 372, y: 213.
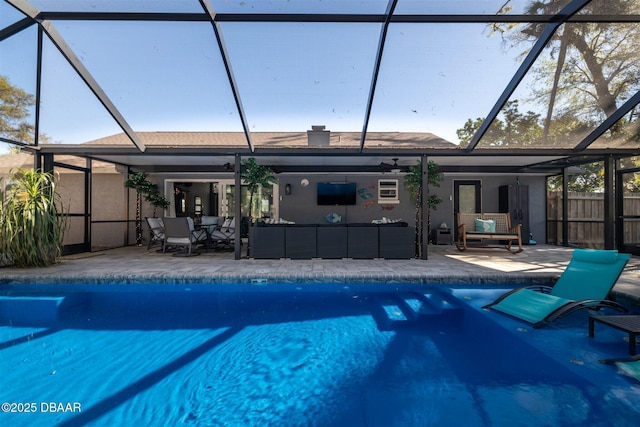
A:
x: 156, y: 231
x: 225, y: 235
x: 181, y: 232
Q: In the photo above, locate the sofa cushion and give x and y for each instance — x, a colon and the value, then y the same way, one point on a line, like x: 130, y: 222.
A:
x: 394, y: 224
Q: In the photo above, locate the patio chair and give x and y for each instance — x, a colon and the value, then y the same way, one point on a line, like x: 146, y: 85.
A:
x: 225, y: 235
x: 585, y: 283
x: 156, y: 231
x: 209, y: 222
x: 181, y: 232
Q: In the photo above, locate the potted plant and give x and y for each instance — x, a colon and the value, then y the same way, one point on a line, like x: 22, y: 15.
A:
x: 32, y: 220
x: 254, y: 177
x: 140, y: 182
x: 413, y: 182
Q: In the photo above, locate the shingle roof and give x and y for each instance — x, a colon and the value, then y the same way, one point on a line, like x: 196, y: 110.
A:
x: 277, y: 139
x: 13, y: 161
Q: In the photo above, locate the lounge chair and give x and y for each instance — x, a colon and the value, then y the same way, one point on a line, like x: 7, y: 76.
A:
x: 629, y: 365
x: 585, y: 283
x: 181, y: 232
x: 156, y: 231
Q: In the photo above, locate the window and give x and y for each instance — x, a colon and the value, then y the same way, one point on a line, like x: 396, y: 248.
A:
x: 388, y: 191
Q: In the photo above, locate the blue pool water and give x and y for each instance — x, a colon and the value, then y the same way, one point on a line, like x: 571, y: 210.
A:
x: 265, y: 357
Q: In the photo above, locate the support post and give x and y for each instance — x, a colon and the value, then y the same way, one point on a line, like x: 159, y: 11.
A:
x: 424, y: 209
x: 565, y: 207
x: 237, y: 206
x: 609, y: 202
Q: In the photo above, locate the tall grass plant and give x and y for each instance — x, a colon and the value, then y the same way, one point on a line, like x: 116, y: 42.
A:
x: 32, y: 220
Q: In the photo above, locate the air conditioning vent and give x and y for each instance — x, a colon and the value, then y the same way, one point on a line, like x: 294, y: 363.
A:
x: 388, y: 191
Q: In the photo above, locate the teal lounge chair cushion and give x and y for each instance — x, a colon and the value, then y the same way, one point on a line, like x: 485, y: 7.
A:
x: 595, y: 256
x: 590, y: 275
x: 530, y: 305
x: 630, y: 368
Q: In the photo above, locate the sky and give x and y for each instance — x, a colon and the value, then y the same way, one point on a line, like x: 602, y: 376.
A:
x: 290, y: 76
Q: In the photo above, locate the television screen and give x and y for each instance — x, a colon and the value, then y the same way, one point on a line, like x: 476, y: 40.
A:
x: 336, y: 193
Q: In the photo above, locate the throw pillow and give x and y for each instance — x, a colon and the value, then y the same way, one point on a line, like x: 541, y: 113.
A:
x: 485, y: 225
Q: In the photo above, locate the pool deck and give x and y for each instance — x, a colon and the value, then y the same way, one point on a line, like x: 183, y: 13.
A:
x: 537, y: 264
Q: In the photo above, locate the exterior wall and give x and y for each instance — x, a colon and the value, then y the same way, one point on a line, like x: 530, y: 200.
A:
x: 110, y: 202
x: 490, y: 185
x: 71, y: 191
x: 302, y: 208
x: 109, y: 209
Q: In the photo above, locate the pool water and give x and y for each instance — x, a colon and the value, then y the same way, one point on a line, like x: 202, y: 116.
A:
x: 298, y: 358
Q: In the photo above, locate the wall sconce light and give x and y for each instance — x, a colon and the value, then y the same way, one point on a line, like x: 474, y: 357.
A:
x: 287, y: 189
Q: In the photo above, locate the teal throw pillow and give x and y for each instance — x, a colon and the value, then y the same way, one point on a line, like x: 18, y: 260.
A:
x: 485, y: 225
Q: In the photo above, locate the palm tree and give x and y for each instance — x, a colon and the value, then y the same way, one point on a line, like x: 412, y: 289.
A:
x: 413, y: 182
x: 139, y: 182
x: 255, y: 176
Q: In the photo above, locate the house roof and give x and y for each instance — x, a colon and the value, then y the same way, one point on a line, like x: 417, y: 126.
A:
x: 386, y: 140
x: 12, y: 162
x: 292, y: 152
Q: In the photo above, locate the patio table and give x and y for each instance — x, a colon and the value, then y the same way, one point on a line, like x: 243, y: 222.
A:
x: 626, y: 323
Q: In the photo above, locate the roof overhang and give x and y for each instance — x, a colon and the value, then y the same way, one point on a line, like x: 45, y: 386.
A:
x: 207, y: 159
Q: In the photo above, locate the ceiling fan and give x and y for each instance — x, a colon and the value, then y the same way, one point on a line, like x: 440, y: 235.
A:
x: 392, y: 168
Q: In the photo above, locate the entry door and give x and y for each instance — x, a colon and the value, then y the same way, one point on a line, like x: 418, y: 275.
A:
x: 226, y: 193
x: 77, y: 200
x: 466, y: 198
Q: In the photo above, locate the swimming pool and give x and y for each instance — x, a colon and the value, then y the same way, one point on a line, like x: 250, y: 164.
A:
x: 301, y: 356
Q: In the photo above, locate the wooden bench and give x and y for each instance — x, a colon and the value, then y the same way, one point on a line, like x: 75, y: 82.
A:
x: 503, y: 231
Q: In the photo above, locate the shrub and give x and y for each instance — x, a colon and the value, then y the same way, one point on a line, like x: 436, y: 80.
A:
x: 32, y: 220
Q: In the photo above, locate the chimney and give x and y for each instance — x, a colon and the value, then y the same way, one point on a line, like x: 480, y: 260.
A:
x: 318, y: 136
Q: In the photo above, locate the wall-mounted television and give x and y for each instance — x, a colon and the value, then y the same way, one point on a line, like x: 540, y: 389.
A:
x: 336, y: 193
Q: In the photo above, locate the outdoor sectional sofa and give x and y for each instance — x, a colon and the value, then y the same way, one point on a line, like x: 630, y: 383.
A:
x: 358, y: 240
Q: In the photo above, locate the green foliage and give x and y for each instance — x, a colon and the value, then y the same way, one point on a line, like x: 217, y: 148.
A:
x: 465, y: 134
x: 140, y: 182
x: 254, y: 177
x: 589, y: 180
x: 413, y: 182
x: 15, y: 106
x: 632, y: 183
x: 32, y: 220
x: 510, y: 128
x: 157, y: 200
x: 588, y: 70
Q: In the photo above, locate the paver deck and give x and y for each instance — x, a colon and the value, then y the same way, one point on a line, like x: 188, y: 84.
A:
x: 445, y: 265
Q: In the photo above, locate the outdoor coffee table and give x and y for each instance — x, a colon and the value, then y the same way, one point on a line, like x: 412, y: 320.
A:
x: 629, y: 324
